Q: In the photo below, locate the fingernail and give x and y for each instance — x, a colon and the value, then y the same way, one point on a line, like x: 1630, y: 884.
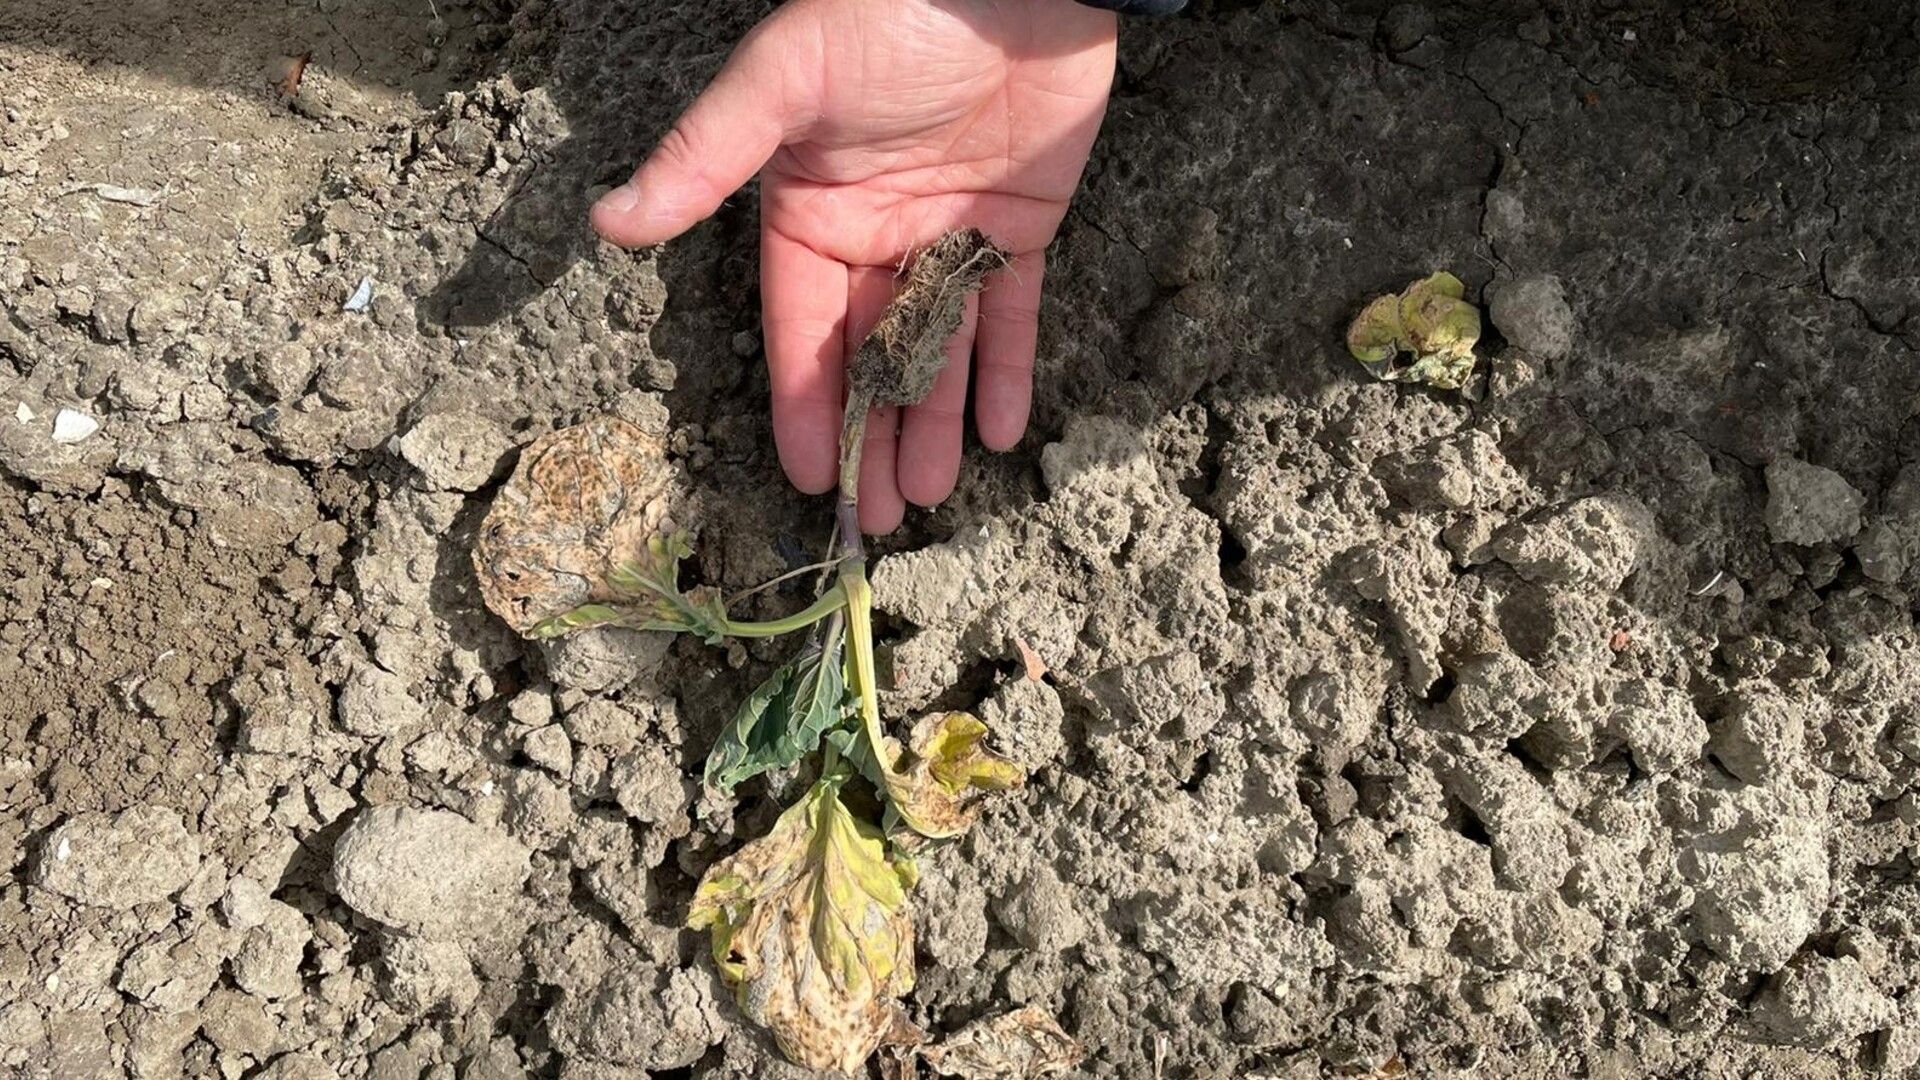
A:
x: 621, y: 199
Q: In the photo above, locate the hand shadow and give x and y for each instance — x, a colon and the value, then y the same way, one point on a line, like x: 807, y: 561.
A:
x: 613, y: 104
x: 618, y: 73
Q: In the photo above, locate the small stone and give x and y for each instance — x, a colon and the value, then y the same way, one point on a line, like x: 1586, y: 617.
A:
x: 268, y: 963
x: 1505, y: 218
x: 1531, y: 312
x: 71, y: 426
x: 1041, y: 913
x: 239, y: 1024
x: 172, y: 975
x: 428, y: 871
x: 140, y: 855
x: 1807, y: 504
x: 1899, y: 1050
x: 531, y: 707
x: 1882, y: 554
x: 21, y: 1032
x: 651, y: 788
x: 426, y: 975
x: 606, y: 658
x: 1761, y: 738
x: 284, y: 370
x: 245, y: 904
x: 538, y: 810
x: 953, y: 930
x: 330, y: 801
x: 641, y: 1016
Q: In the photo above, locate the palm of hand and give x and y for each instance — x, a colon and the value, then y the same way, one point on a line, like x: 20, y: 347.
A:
x: 896, y: 121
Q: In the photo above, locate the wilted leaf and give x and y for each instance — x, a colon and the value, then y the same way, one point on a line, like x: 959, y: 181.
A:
x: 1432, y: 320
x: 1376, y: 334
x: 1026, y: 1042
x: 1436, y: 318
x: 581, y: 502
x: 937, y: 789
x: 781, y: 722
x: 810, y: 929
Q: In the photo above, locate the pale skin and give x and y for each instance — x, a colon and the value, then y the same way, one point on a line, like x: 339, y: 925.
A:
x: 875, y: 126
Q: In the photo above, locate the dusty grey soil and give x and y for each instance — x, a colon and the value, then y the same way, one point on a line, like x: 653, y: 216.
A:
x: 1569, y: 727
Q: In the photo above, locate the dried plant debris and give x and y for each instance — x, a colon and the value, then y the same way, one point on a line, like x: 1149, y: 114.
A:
x: 1432, y: 321
x: 810, y: 929
x: 583, y: 502
x: 900, y: 359
x: 1026, y: 1042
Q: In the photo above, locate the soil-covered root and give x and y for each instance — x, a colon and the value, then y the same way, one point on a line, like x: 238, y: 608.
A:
x: 582, y: 501
x: 899, y: 360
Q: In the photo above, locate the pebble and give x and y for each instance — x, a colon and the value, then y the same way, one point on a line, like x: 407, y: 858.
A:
x: 71, y: 426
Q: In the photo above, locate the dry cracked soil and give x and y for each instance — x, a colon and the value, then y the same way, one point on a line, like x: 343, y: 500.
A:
x: 1568, y: 726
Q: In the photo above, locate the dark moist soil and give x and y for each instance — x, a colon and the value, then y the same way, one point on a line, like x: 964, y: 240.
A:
x: 1566, y: 729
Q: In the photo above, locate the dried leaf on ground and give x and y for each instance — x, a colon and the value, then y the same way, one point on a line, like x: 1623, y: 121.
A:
x: 292, y: 69
x: 1027, y: 1042
x: 583, y: 502
x: 1036, y: 667
x: 811, y: 930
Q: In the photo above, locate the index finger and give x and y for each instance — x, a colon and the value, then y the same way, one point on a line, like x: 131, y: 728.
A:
x: 803, y: 313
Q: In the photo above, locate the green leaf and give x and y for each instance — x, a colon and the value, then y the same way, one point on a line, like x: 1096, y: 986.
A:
x: 858, y: 752
x: 781, y: 722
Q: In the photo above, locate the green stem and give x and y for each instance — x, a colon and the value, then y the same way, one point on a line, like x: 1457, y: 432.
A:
x: 834, y: 600
x: 853, y: 579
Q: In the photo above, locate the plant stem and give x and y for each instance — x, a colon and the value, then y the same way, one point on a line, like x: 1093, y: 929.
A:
x: 852, y: 556
x: 853, y: 438
x: 824, y: 564
x: 834, y: 600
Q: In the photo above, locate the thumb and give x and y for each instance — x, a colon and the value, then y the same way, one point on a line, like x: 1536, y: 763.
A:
x: 717, y: 145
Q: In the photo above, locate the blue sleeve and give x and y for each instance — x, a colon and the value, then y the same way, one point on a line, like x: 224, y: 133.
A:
x: 1138, y: 7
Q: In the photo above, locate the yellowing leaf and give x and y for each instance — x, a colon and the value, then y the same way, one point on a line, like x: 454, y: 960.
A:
x: 810, y: 929
x: 1375, y: 335
x: 1432, y: 320
x: 1436, y: 318
x: 937, y: 788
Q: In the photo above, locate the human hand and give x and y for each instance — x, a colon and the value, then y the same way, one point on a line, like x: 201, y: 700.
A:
x: 876, y: 126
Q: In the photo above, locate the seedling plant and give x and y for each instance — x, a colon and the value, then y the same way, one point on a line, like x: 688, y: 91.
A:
x: 809, y: 924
